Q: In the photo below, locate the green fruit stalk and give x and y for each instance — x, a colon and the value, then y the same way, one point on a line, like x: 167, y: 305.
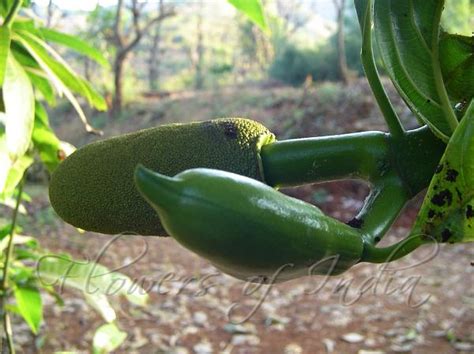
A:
x: 93, y: 188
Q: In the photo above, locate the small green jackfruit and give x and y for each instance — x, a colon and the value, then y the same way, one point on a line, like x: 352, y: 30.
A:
x: 93, y: 188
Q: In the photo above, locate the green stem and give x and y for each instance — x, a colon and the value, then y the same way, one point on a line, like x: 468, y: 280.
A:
x: 391, y: 253
x: 415, y: 158
x: 381, y: 208
x: 373, y: 77
x: 6, y: 265
x: 449, y: 114
x: 369, y: 156
x: 8, y: 332
x: 300, y: 161
x: 12, y: 14
x: 397, y: 168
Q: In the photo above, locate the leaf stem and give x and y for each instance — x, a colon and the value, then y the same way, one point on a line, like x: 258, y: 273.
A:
x: 8, y: 332
x: 438, y: 76
x: 12, y: 14
x: 391, y: 253
x: 373, y: 77
x: 6, y: 265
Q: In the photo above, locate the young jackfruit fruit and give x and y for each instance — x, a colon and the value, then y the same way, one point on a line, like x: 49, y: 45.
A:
x: 93, y: 188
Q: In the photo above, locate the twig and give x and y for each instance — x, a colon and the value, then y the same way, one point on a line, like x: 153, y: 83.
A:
x: 6, y: 265
x: 12, y: 14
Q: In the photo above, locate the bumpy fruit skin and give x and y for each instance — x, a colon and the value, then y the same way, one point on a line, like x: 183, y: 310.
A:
x: 246, y: 228
x: 93, y: 188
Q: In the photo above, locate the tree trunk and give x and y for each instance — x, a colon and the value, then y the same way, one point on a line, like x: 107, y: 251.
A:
x: 87, y: 69
x: 199, y: 79
x: 124, y: 45
x: 154, y: 60
x: 341, y: 47
x: 118, y: 84
x: 49, y: 13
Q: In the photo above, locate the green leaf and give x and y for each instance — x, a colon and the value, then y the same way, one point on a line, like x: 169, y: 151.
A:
x: 4, y: 50
x: 253, y: 9
x: 22, y: 55
x: 14, y: 176
x: 76, y: 44
x: 30, y: 306
x: 45, y: 140
x: 5, y: 6
x: 18, y: 118
x: 40, y: 51
x: 107, y: 338
x: 4, y: 231
x: 60, y: 75
x: 100, y: 303
x: 95, y: 99
x: 407, y: 33
x: 457, y: 64
x: 39, y: 78
x: 42, y: 85
x: 18, y: 240
x: 89, y: 278
x: 447, y: 213
x: 24, y: 23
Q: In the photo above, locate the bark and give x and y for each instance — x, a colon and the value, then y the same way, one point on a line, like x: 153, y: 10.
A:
x: 87, y: 69
x: 341, y: 47
x: 124, y: 45
x: 117, y: 102
x: 49, y: 13
x: 154, y: 60
x: 199, y: 79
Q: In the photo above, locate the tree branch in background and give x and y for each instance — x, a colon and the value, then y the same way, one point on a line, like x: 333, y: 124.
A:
x: 293, y: 14
x: 124, y: 47
x: 199, y: 79
x: 4, y: 287
x: 154, y: 58
x: 341, y: 48
x: 49, y: 13
x: 117, y: 23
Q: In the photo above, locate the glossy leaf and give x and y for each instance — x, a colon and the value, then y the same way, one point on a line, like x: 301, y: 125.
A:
x: 4, y: 50
x: 63, y: 80
x: 24, y: 23
x: 17, y: 240
x: 4, y: 231
x: 447, y: 213
x: 17, y: 119
x: 19, y: 114
x: 49, y: 57
x: 107, y: 338
x: 42, y: 85
x: 253, y: 9
x: 89, y: 278
x: 101, y: 304
x: 30, y: 306
x: 76, y: 44
x: 45, y: 140
x: 14, y: 176
x: 5, y: 6
x: 457, y: 64
x: 407, y: 33
x: 22, y: 56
